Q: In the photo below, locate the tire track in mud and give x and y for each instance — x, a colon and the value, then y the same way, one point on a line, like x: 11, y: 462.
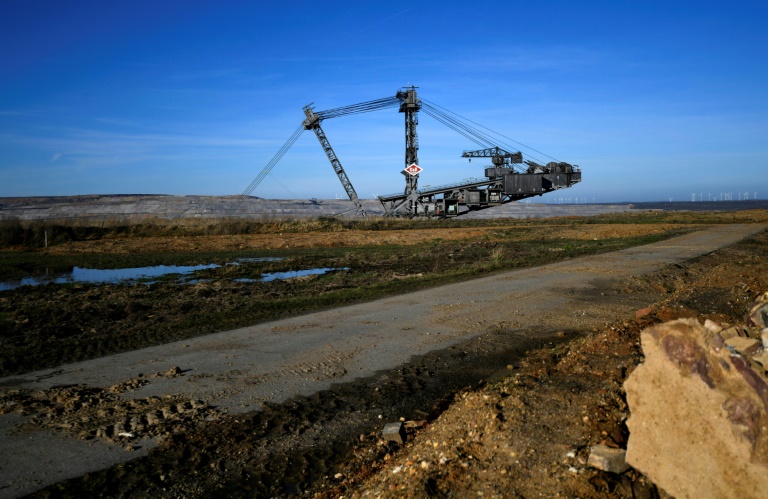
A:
x: 106, y: 414
x: 288, y: 446
x: 285, y: 447
x: 330, y: 368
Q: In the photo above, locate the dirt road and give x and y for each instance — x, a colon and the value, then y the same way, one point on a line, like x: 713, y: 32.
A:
x: 241, y: 370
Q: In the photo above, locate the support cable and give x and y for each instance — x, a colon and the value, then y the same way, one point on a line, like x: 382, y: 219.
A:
x: 272, y: 162
x: 476, y: 136
x: 492, y: 131
x: 485, y: 138
x: 363, y: 107
x: 471, y: 130
x: 426, y: 110
x: 268, y: 167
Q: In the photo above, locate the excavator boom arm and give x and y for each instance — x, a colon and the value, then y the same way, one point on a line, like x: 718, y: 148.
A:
x: 313, y: 123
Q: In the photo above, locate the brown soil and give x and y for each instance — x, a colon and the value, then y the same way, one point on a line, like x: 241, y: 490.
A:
x: 354, y: 238
x: 522, y: 431
x: 529, y: 433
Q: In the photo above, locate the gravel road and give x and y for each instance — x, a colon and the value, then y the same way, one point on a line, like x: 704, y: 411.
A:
x: 240, y: 370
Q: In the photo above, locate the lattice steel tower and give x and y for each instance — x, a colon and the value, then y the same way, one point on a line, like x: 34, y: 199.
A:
x: 410, y: 105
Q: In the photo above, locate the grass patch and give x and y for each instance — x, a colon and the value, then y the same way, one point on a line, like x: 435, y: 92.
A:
x: 33, y: 234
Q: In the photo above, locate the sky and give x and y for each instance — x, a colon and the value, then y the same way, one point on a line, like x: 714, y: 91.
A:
x: 654, y: 100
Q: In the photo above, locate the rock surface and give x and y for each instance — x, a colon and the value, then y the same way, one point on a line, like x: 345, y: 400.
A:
x: 699, y: 420
x: 608, y: 459
x: 394, y: 432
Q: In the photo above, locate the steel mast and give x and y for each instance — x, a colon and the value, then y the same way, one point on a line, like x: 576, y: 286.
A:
x: 410, y: 105
x: 313, y: 123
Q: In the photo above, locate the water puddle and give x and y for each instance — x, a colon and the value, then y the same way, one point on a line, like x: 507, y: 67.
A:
x: 102, y: 276
x: 146, y: 274
x: 284, y: 276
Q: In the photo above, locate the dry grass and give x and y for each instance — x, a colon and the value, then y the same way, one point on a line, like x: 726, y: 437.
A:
x: 33, y: 234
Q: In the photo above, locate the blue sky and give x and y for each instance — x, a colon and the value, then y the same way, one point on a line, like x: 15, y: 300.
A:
x: 652, y: 99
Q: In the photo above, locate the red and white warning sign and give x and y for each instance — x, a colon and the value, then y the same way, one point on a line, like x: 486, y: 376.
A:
x: 414, y: 169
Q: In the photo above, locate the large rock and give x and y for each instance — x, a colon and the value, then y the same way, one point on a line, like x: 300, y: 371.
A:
x: 758, y: 312
x: 699, y: 415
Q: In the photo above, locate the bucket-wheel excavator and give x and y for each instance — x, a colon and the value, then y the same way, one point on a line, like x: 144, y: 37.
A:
x: 508, y: 178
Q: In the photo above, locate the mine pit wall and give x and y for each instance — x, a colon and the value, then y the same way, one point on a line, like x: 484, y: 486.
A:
x: 144, y: 207
x: 138, y: 207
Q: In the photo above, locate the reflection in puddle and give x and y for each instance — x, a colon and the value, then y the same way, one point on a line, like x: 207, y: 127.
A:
x: 103, y: 276
x: 130, y: 275
x: 283, y: 276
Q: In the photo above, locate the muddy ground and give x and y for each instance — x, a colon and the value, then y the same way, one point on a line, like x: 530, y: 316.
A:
x: 528, y: 432
x: 48, y: 325
x: 483, y: 416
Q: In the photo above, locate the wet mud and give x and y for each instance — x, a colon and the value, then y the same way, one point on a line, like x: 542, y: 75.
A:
x: 329, y: 442
x: 546, y: 395
x: 49, y: 325
x: 287, y: 448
